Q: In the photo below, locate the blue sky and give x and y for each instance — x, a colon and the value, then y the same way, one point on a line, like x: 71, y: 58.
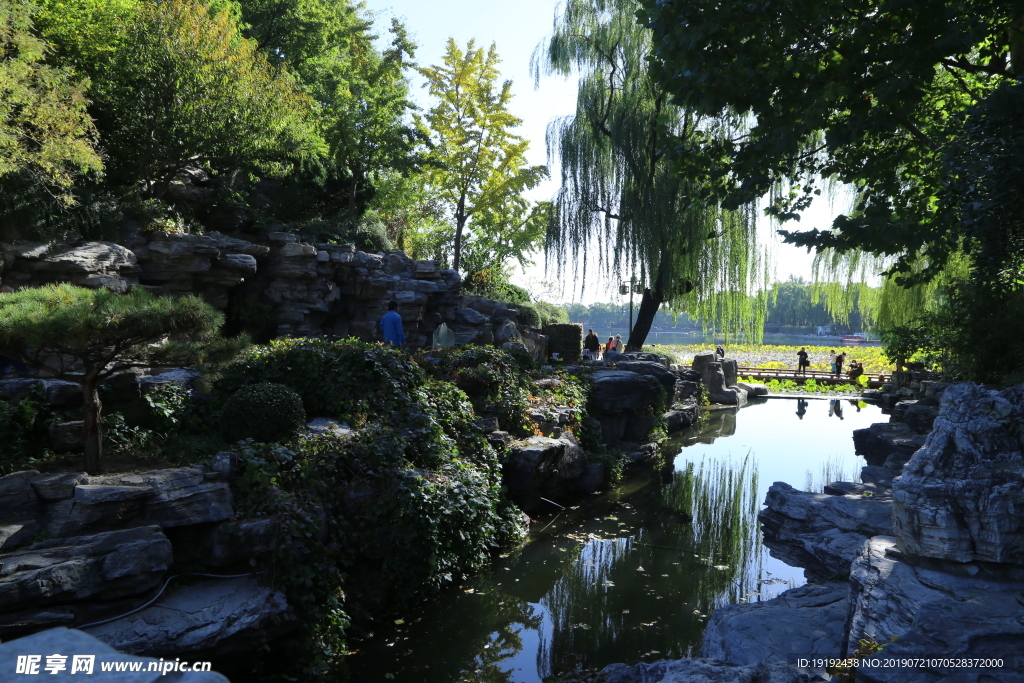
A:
x: 517, y: 26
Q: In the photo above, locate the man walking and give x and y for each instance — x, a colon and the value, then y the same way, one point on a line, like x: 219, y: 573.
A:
x: 593, y: 344
x: 391, y: 326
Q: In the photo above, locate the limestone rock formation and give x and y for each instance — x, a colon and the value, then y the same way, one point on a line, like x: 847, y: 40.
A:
x: 67, y: 570
x: 544, y: 464
x: 702, y: 671
x: 960, y: 496
x: 808, y: 620
x: 887, y: 442
x: 916, y: 611
x: 820, y: 532
x: 215, y: 616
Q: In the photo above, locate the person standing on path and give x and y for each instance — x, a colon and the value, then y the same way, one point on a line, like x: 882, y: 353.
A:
x: 840, y: 359
x: 832, y: 361
x: 802, y: 362
x: 593, y: 344
x: 391, y: 326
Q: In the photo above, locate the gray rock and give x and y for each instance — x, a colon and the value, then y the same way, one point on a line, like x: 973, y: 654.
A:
x: 664, y: 376
x: 180, y: 376
x: 216, y: 616
x: 18, y: 500
x: 471, y: 317
x: 719, y: 390
x: 686, y: 389
x: 67, y: 436
x: 541, y: 463
x: 225, y: 462
x: 21, y: 387
x: 959, y: 496
x: 187, y: 505
x: 820, y: 532
x: 920, y: 417
x: 879, y: 476
x: 507, y: 332
x: 68, y: 518
x: 327, y: 425
x: 164, y: 481
x: 103, y: 566
x: 916, y: 611
x: 488, y: 424
x: 63, y: 394
x: 701, y: 671
x: 241, y: 262
x: 808, y: 620
x: 678, y: 419
x: 234, y: 543
x: 70, y: 642
x: 880, y: 441
x: 93, y: 494
x: 616, y: 391
x: 753, y: 388
x: 15, y: 535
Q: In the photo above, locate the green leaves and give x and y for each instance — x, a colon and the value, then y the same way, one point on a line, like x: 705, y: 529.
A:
x: 45, y: 130
x: 477, y: 164
x: 209, y: 98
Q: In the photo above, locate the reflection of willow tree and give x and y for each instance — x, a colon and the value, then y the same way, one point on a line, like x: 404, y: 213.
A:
x: 722, y: 499
x: 626, y: 597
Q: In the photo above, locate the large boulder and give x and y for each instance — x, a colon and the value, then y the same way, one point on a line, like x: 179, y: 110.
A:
x: 544, y: 464
x: 701, y: 671
x: 819, y: 532
x: 887, y: 442
x: 214, y: 617
x: 656, y: 370
x: 69, y: 643
x: 808, y: 620
x: 719, y: 389
x: 616, y: 391
x: 960, y: 496
x: 919, y: 612
x: 103, y: 566
x: 18, y: 500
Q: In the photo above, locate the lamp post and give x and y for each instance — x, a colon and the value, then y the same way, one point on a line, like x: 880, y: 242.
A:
x: 630, y: 287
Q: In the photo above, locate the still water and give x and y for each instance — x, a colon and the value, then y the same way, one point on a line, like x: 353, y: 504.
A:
x: 632, y: 574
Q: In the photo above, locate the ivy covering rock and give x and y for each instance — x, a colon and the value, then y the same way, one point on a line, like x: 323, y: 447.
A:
x: 408, y: 502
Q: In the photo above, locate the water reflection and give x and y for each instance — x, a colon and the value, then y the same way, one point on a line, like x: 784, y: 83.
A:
x: 632, y: 574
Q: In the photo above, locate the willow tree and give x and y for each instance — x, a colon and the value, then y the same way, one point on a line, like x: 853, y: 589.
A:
x: 618, y: 191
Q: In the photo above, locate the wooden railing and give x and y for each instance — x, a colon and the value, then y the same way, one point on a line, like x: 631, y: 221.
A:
x: 875, y: 380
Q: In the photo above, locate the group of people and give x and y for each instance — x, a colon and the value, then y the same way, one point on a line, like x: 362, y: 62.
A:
x: 595, y: 351
x: 855, y: 370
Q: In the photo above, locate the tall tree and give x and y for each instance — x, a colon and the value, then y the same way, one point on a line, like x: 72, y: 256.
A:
x: 476, y: 163
x: 185, y: 88
x: 87, y: 335
x: 45, y: 130
x: 857, y: 91
x: 618, y: 189
x: 362, y: 92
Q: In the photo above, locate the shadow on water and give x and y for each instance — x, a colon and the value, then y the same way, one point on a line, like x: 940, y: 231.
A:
x: 632, y: 574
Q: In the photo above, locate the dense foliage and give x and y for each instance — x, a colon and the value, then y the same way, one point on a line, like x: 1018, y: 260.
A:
x: 409, y: 503
x: 45, y: 133
x: 265, y: 412
x: 87, y: 335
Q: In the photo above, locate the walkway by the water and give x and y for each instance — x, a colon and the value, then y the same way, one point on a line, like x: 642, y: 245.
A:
x: 819, y: 376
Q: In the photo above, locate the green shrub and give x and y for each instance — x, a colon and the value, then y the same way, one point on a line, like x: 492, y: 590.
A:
x: 493, y: 379
x: 406, y: 504
x: 565, y: 339
x: 23, y: 426
x: 265, y: 412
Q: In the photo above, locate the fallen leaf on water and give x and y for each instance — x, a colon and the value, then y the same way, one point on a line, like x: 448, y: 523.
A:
x: 399, y: 621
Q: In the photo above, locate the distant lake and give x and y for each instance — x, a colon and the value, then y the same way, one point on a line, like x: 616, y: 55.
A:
x: 674, y: 337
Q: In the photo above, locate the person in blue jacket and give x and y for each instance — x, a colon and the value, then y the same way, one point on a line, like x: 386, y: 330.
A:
x: 391, y: 326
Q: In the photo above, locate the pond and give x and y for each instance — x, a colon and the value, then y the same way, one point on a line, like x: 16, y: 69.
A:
x: 632, y: 574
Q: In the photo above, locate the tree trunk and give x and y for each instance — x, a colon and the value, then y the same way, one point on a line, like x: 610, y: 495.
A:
x: 460, y: 224
x: 649, y: 305
x: 92, y: 413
